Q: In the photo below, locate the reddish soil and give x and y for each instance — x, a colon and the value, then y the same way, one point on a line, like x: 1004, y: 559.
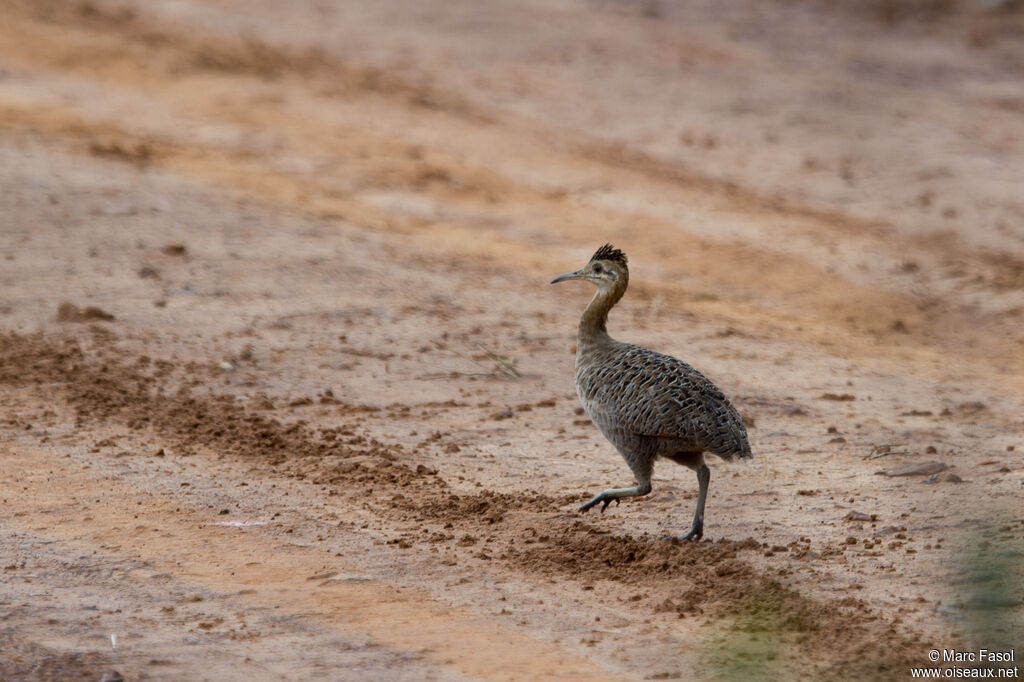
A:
x: 285, y: 393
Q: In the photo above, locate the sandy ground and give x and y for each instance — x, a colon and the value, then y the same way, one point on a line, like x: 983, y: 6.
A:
x: 286, y: 395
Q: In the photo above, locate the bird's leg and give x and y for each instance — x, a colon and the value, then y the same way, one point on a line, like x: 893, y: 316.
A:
x: 606, y: 496
x: 703, y: 479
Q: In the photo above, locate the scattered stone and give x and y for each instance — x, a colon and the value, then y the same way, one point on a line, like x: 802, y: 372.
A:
x: 226, y: 366
x: 149, y: 272
x: 841, y: 397
x: 948, y: 477
x: 919, y: 469
x: 69, y: 312
x: 348, y: 578
x: 860, y: 516
x: 175, y: 250
x: 111, y: 676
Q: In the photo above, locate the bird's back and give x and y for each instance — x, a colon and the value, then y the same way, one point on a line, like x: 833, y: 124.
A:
x: 636, y: 395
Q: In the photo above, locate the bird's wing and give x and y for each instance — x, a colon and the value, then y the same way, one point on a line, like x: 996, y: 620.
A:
x: 652, y: 394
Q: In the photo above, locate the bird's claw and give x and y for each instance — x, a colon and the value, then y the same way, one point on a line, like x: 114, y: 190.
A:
x: 605, y: 501
x: 695, y: 534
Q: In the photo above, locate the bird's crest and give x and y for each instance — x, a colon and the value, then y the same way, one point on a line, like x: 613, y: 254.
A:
x: 609, y: 252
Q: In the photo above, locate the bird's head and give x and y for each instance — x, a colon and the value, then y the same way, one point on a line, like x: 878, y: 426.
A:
x: 606, y: 269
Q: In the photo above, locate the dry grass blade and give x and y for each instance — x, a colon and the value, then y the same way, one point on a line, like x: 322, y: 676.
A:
x: 502, y: 363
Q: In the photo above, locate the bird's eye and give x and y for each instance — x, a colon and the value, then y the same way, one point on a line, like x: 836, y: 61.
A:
x: 597, y: 267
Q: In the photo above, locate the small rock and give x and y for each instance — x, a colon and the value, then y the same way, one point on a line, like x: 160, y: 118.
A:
x: 175, y: 250
x: 950, y: 477
x: 226, y: 366
x: 860, y: 516
x: 920, y: 469
x: 111, y: 676
x: 348, y: 578
x: 149, y: 272
x: 69, y: 312
x: 841, y: 397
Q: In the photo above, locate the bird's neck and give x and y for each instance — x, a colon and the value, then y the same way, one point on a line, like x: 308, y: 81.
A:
x: 593, y: 324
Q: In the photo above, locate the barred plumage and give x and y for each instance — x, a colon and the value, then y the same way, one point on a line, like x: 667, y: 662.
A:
x: 647, y: 404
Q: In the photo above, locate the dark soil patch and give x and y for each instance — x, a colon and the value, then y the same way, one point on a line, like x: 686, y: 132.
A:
x: 101, y: 389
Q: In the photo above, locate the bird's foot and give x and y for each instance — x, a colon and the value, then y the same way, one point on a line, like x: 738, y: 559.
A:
x: 695, y: 534
x: 604, y: 499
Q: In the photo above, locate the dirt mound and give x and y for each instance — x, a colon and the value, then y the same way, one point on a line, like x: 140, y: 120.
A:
x: 101, y: 388
x: 579, y: 549
x: 69, y: 312
x: 486, y: 508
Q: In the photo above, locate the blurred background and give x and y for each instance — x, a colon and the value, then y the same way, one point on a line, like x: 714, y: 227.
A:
x: 335, y: 222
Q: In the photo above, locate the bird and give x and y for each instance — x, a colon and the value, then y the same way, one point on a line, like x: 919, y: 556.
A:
x: 647, y: 404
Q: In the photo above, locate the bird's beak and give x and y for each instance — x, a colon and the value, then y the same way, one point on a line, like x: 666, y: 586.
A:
x: 578, y: 274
